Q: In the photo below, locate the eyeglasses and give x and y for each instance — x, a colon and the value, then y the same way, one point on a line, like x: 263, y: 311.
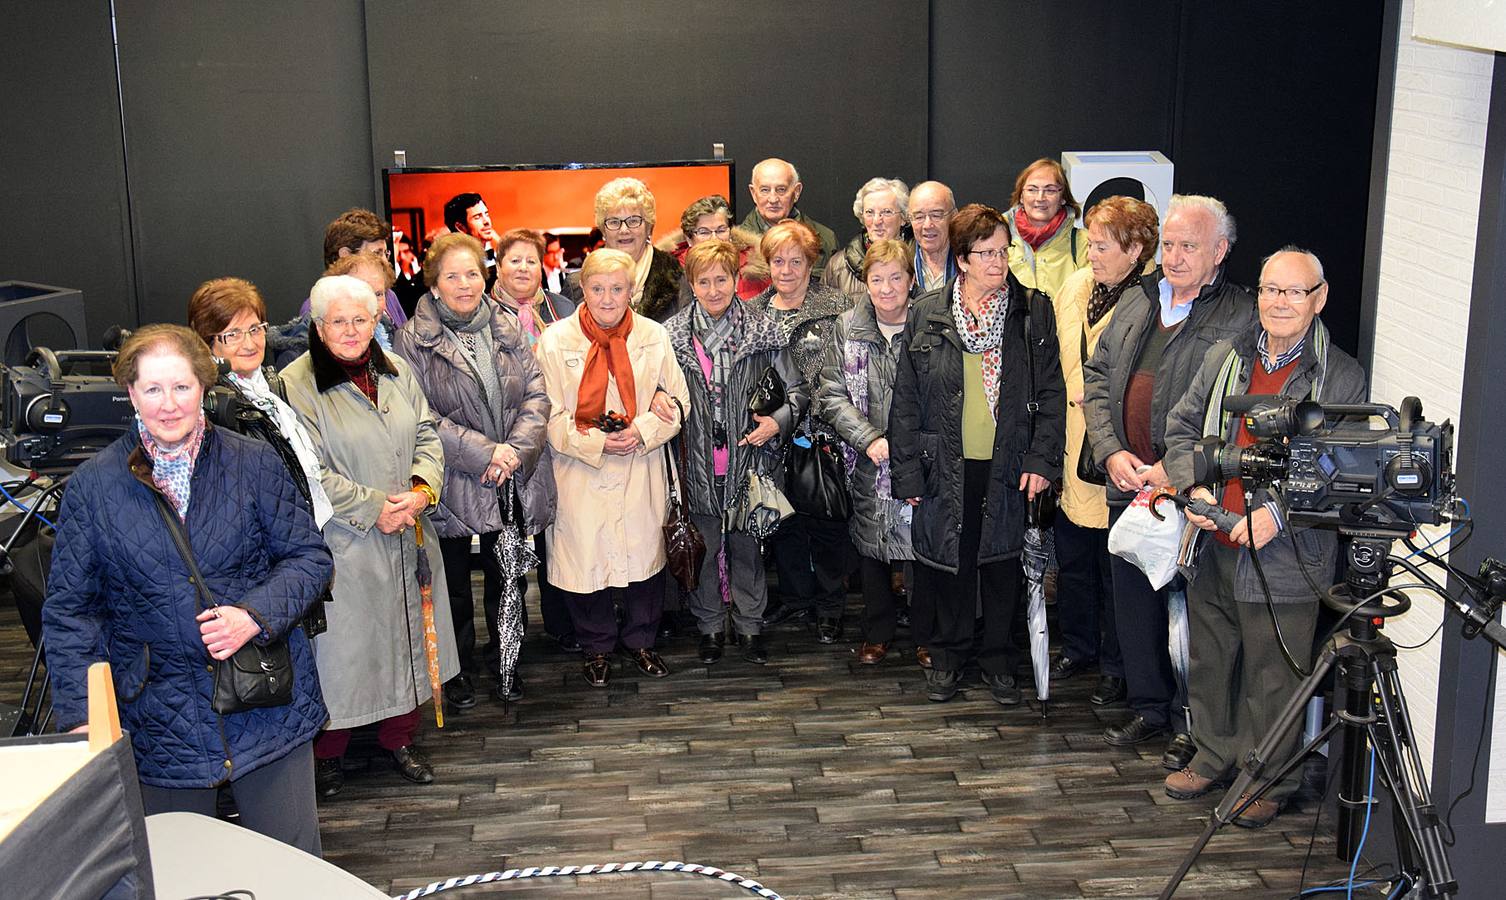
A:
x: 359, y: 323
x: 879, y: 213
x: 1291, y: 295
x: 616, y: 224
x: 704, y: 233
x: 1048, y: 191
x: 1001, y: 253
x: 931, y: 215
x: 234, y: 335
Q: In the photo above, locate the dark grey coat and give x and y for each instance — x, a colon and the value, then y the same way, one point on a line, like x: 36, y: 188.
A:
x: 806, y: 333
x: 453, y: 388
x: 1221, y: 311
x: 925, y: 425
x: 872, y: 531
x: 759, y: 345
x: 1343, y: 383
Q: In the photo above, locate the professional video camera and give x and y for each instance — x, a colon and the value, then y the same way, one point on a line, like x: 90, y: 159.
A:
x: 1332, y: 469
x: 60, y: 408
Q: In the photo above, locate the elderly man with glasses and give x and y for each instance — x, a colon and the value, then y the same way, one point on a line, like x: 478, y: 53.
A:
x: 775, y: 188
x: 931, y: 208
x: 1243, y: 651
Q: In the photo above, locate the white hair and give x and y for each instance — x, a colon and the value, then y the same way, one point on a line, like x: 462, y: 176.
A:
x: 340, y: 287
x: 1223, y: 223
x: 1293, y: 248
x: 951, y: 200
x: 873, y: 186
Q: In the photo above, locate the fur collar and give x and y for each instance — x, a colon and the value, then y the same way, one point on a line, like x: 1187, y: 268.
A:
x: 329, y: 373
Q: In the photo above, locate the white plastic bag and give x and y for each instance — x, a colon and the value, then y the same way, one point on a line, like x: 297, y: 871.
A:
x: 1148, y: 542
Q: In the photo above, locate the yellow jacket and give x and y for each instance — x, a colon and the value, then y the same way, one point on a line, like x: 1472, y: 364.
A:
x: 1083, y: 503
x: 1047, y: 269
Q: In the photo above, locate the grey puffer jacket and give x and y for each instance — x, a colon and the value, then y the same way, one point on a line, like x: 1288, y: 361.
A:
x: 1221, y: 311
x: 759, y: 345
x: 807, y: 333
x: 1343, y: 381
x: 453, y: 389
x: 875, y: 531
x: 844, y: 271
x: 925, y: 425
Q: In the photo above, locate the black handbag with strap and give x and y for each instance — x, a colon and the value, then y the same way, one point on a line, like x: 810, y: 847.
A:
x: 684, y: 547
x: 815, y: 479
x: 258, y: 675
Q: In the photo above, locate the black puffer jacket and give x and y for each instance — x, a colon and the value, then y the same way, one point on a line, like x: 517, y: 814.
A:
x: 925, y: 425
x: 1222, y: 311
x: 759, y: 346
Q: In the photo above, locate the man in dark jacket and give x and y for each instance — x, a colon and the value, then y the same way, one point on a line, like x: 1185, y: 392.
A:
x: 1237, y: 675
x: 1140, y: 369
x: 775, y: 187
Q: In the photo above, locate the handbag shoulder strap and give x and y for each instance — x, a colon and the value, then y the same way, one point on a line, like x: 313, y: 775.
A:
x: 175, y: 528
x: 1032, y: 406
x: 669, y: 459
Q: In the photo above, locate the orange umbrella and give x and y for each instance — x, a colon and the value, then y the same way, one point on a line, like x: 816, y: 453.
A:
x: 431, y: 638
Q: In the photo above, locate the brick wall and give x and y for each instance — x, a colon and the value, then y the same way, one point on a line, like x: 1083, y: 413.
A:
x: 1433, y: 183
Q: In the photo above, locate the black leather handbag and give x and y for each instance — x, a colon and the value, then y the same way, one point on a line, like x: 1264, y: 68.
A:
x: 767, y: 394
x: 258, y: 675
x: 1088, y: 471
x: 684, y: 547
x: 815, y: 481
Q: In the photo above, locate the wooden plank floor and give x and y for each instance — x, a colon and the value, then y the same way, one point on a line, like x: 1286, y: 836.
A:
x: 814, y: 775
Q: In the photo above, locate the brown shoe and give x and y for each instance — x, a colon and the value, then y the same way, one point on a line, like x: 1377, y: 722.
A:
x: 1189, y: 785
x: 923, y: 657
x: 872, y: 654
x: 897, y: 583
x: 1258, y: 814
x: 648, y: 662
x: 598, y: 670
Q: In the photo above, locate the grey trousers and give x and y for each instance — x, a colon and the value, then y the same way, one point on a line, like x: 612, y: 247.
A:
x: 745, y: 578
x: 276, y: 800
x: 1237, y: 679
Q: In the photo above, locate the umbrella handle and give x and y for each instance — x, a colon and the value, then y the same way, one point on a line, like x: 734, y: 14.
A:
x: 418, y: 531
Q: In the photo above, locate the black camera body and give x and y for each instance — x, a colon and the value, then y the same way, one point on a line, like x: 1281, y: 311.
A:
x: 1331, y: 468
x: 60, y: 408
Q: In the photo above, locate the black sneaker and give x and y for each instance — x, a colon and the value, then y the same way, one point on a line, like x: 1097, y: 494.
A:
x: 941, y: 686
x: 1110, y: 689
x: 1003, y: 688
x: 459, y: 692
x: 329, y: 777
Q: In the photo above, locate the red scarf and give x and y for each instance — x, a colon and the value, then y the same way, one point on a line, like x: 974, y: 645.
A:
x: 1036, y: 235
x: 608, y: 354
x: 359, y: 372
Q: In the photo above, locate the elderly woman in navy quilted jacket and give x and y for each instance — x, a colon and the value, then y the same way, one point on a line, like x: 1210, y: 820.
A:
x: 119, y: 591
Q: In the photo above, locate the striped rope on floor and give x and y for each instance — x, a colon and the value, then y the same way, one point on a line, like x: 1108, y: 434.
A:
x: 608, y: 869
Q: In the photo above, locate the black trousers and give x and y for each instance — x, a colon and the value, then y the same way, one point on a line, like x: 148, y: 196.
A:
x: 276, y: 800
x: 595, y: 615
x: 955, y: 599
x: 552, y: 607
x: 813, y: 558
x: 457, y: 566
x: 880, y: 606
x: 1085, y: 595
x: 1140, y: 618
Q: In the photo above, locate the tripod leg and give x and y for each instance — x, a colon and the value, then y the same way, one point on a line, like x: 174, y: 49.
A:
x: 1291, y: 716
x: 1396, y: 753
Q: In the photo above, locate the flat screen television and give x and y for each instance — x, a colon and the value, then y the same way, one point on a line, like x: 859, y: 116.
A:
x: 555, y: 199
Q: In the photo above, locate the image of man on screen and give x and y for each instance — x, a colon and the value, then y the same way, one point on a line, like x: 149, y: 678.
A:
x: 467, y: 214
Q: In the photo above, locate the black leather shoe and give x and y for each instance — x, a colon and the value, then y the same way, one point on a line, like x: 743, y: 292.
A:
x: 513, y: 694
x: 941, y: 686
x: 1179, y: 752
x: 779, y: 612
x: 755, y: 649
x: 329, y: 777
x: 598, y: 670
x: 1066, y: 667
x: 412, y: 764
x: 1110, y: 689
x: 710, y: 649
x: 459, y: 692
x: 1135, y: 731
x: 1003, y: 688
x: 648, y: 662
x: 568, y: 643
x: 828, y: 631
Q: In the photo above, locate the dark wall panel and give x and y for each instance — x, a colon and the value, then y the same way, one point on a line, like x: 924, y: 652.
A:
x: 64, y: 218
x: 1277, y: 118
x: 1015, y: 81
x: 247, y: 131
x: 839, y: 94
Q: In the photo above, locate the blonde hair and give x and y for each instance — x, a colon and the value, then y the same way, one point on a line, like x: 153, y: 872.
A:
x: 604, y: 262
x: 624, y: 192
x: 890, y: 251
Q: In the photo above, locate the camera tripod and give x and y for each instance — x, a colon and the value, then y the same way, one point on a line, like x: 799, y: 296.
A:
x: 1374, y: 717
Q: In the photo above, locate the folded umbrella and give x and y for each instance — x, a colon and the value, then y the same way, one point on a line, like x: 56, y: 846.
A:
x: 514, y: 557
x: 1034, y: 560
x: 431, y: 637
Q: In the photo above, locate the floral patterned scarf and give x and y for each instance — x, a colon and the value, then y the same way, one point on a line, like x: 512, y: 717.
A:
x: 172, y: 470
x: 983, y: 333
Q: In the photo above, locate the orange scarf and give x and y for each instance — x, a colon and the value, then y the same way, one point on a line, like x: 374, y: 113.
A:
x: 608, y: 354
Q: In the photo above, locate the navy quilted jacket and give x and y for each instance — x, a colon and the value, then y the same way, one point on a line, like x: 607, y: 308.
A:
x: 119, y: 591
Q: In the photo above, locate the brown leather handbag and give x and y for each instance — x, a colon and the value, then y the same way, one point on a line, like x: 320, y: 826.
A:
x: 684, y: 546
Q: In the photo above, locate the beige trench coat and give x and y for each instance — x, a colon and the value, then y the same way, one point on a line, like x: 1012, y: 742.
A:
x: 608, y: 527
x: 371, y: 661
